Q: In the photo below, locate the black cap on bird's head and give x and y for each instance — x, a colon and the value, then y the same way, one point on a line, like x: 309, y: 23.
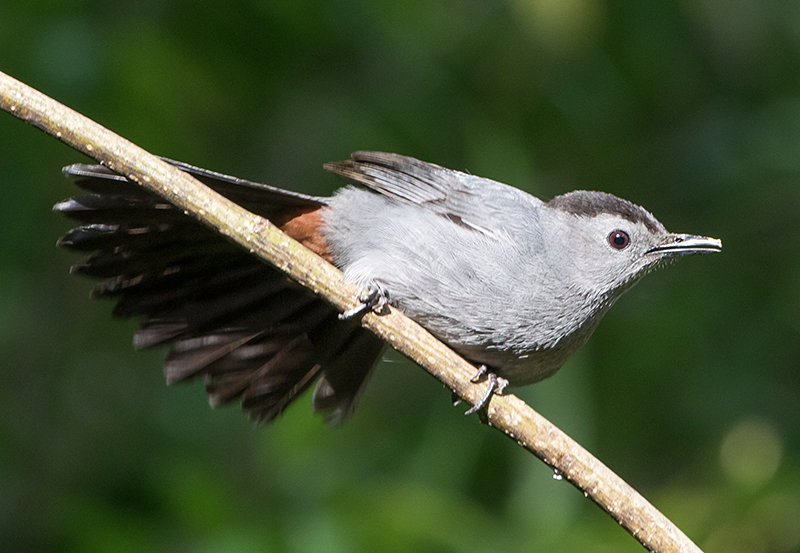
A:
x: 591, y: 204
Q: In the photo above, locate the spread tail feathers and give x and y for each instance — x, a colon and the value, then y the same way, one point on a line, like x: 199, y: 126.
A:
x: 253, y: 334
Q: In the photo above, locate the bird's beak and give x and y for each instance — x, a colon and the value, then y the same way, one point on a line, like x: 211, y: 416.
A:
x: 685, y: 244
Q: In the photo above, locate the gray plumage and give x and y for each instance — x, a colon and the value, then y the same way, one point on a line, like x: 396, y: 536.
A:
x: 505, y: 279
x: 502, y: 277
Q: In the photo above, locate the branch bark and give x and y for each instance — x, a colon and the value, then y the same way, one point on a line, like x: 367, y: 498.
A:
x: 507, y: 413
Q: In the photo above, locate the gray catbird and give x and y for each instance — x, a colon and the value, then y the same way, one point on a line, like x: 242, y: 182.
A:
x: 514, y: 284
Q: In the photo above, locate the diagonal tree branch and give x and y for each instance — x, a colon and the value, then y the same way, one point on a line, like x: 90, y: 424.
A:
x: 511, y: 415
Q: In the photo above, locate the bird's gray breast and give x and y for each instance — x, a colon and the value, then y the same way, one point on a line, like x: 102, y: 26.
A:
x: 487, y: 294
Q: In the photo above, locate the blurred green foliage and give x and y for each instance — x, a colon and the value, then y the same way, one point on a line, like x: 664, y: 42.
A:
x: 689, y: 389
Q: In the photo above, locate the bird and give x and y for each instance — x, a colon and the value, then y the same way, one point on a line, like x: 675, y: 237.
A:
x: 514, y: 284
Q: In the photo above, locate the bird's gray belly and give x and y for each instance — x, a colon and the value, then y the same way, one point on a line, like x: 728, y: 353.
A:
x: 477, y: 293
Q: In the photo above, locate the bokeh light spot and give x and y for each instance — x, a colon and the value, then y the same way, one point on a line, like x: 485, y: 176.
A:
x: 751, y: 452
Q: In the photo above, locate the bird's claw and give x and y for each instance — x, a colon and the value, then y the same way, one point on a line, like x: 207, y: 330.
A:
x: 482, y: 370
x: 369, y: 300
x: 496, y: 386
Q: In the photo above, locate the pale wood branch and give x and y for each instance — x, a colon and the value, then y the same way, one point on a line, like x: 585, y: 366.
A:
x: 507, y: 413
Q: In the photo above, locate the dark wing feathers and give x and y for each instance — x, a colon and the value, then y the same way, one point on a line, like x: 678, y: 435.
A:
x: 453, y: 194
x: 403, y: 177
x: 259, y: 198
x: 268, y: 201
x: 254, y: 335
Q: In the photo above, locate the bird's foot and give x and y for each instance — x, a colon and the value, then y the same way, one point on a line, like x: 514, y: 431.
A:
x: 496, y: 386
x: 373, y: 299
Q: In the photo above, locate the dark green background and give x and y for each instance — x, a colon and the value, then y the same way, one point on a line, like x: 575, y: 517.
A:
x: 689, y: 389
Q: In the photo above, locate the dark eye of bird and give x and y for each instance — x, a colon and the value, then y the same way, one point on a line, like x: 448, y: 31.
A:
x: 619, y: 239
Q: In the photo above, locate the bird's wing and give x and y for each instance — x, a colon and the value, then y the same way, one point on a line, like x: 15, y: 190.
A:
x: 261, y: 199
x: 464, y: 198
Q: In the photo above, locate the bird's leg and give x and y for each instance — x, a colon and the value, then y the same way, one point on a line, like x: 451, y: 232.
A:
x: 496, y: 386
x: 372, y: 299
